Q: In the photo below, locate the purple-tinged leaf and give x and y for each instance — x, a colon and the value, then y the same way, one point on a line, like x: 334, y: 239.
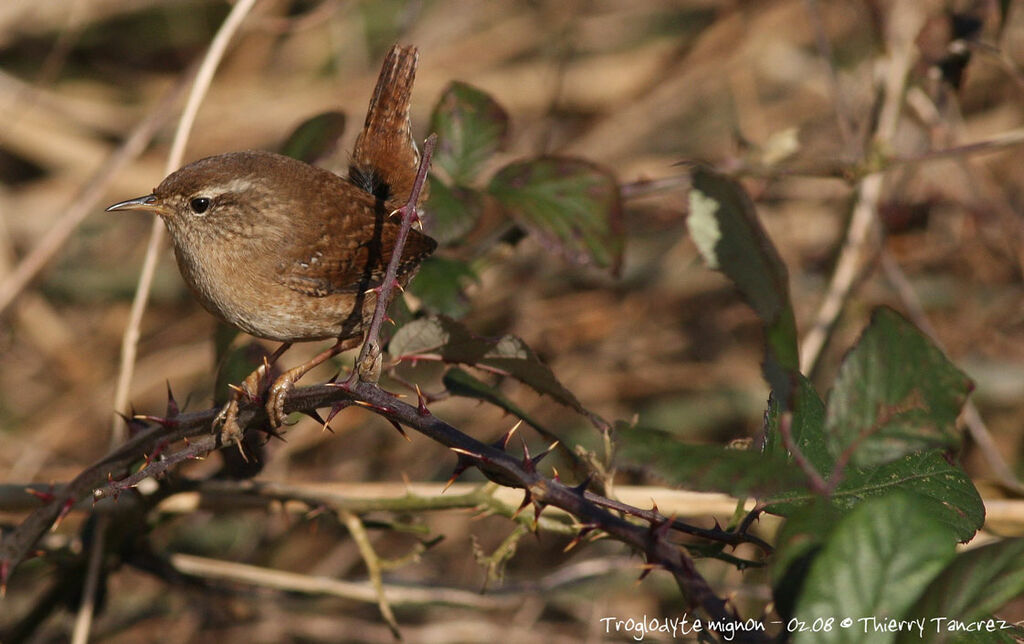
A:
x: 571, y: 205
x: 471, y: 126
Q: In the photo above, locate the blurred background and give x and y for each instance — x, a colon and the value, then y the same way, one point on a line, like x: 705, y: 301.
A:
x: 636, y: 86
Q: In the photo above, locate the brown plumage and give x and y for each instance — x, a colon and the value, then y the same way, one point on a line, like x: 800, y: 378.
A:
x: 287, y: 251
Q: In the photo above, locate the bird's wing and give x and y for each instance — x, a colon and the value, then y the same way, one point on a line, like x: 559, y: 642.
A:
x: 350, y: 249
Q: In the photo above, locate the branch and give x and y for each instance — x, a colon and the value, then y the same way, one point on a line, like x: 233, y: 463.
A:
x: 368, y: 362
x: 651, y: 539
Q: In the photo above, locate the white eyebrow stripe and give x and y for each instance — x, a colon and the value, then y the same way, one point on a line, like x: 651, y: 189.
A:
x: 238, y: 184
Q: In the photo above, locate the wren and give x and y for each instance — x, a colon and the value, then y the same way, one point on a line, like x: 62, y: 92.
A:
x: 287, y: 251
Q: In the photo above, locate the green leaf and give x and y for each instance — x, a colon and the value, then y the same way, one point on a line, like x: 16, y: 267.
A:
x: 896, y: 393
x: 799, y: 539
x: 941, y: 489
x: 570, y: 204
x: 451, y: 213
x: 440, y: 282
x: 471, y: 126
x: 445, y: 339
x: 707, y: 467
x: 724, y: 225
x: 315, y: 138
x: 875, y: 563
x: 807, y: 427
x: 975, y: 585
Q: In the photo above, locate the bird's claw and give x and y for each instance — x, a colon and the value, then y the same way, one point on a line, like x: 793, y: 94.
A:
x: 227, y: 422
x: 276, y: 397
x: 227, y: 419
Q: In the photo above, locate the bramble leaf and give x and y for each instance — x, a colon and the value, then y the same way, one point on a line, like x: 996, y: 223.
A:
x: 724, y: 225
x: 707, y: 467
x: 471, y: 126
x: 569, y: 204
x: 874, y: 565
x: 315, y: 138
x: 442, y: 338
x: 896, y: 393
x: 440, y: 282
x: 944, y: 490
x: 451, y: 212
x: 976, y: 584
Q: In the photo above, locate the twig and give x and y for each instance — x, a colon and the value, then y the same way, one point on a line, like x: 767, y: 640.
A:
x: 83, y: 620
x: 818, y: 484
x: 732, y: 538
x: 130, y: 340
x: 362, y: 592
x: 843, y: 120
x: 901, y: 44
x: 85, y: 200
x: 492, y: 462
x: 204, y: 76
x: 362, y: 540
x: 369, y: 355
x: 644, y: 187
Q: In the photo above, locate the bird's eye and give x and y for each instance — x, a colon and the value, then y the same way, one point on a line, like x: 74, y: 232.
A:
x: 199, y: 205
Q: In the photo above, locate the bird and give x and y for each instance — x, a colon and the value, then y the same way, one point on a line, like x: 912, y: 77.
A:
x: 288, y: 251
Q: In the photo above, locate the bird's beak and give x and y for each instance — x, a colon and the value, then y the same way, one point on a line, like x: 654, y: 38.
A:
x: 148, y: 203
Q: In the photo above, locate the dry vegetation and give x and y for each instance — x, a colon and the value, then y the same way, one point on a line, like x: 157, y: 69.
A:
x: 637, y: 86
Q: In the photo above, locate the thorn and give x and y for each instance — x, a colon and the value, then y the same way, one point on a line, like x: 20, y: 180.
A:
x: 45, y: 497
x: 585, y: 529
x: 581, y: 489
x: 660, y: 530
x: 172, y: 404
x: 539, y: 457
x: 647, y: 568
x: 654, y: 507
x: 527, y: 498
x: 335, y: 409
x: 502, y: 442
x: 461, y: 466
x: 421, y: 403
x: 459, y: 450
x: 400, y: 430
x: 390, y: 320
x: 344, y: 385
x: 273, y: 433
x: 166, y: 423
x: 538, y: 507
x: 134, y: 425
x: 64, y: 509
x: 242, y: 391
x: 554, y: 474
x: 312, y: 413
x: 161, y: 446
x: 187, y: 442
x: 528, y: 463
x: 377, y: 408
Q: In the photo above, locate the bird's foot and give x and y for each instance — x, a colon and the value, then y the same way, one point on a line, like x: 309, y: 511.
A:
x: 227, y: 419
x: 278, y: 394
